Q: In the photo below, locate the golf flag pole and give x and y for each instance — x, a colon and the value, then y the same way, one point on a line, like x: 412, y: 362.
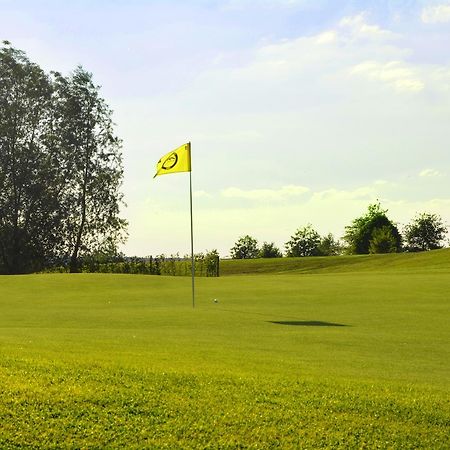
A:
x: 192, y: 239
x: 179, y: 160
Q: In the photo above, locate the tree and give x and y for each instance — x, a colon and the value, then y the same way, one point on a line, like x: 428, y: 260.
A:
x: 60, y: 167
x: 268, y: 250
x: 359, y: 234
x: 94, y: 172
x: 305, y: 242
x: 382, y: 241
x: 212, y: 262
x: 246, y: 247
x: 329, y: 246
x: 425, y: 232
x: 29, y: 211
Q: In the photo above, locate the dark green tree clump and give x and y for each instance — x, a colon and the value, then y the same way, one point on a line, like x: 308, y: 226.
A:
x: 60, y: 168
x: 373, y: 233
x: 246, y: 247
x: 425, y: 232
x: 383, y: 240
x: 269, y: 250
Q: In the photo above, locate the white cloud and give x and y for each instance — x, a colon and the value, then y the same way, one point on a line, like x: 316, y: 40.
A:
x: 358, y: 26
x: 283, y: 69
x: 436, y: 14
x: 201, y: 194
x: 264, y: 194
x: 366, y: 193
x: 326, y: 37
x: 430, y: 173
x: 394, y: 73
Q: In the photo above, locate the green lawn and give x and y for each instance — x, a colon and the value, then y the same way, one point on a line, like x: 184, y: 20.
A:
x: 436, y: 261
x: 319, y: 360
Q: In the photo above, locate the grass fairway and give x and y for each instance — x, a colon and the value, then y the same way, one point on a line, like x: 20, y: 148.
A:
x: 334, y: 360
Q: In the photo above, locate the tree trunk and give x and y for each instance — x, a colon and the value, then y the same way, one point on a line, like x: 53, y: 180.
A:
x: 74, y: 266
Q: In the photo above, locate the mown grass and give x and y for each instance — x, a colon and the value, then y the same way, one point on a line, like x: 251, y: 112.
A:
x: 98, y: 407
x: 344, y: 360
x: 436, y: 260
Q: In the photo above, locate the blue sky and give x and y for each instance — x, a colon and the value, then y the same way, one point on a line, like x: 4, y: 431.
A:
x: 298, y: 111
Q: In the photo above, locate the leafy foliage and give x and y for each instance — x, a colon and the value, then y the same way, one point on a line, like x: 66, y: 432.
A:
x: 425, y: 232
x: 60, y: 167
x: 382, y: 241
x: 329, y: 246
x: 206, y: 264
x: 305, y: 242
x: 359, y: 234
x: 29, y: 191
x: 94, y: 167
x: 246, y: 247
x: 212, y: 262
x: 269, y: 250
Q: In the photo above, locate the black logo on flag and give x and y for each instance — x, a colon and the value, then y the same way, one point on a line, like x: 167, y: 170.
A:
x: 170, y: 162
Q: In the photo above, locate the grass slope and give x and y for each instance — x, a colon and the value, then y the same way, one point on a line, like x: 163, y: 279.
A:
x: 334, y: 360
x: 436, y: 260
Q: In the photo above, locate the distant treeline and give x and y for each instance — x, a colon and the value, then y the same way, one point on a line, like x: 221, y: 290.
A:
x: 206, y: 265
x: 371, y: 233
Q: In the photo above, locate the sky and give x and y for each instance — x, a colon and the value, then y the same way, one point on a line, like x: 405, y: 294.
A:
x: 299, y: 111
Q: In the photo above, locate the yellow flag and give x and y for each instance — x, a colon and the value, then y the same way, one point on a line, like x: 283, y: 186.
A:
x: 178, y: 160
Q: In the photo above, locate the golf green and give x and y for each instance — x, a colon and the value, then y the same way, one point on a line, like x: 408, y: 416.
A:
x: 352, y: 359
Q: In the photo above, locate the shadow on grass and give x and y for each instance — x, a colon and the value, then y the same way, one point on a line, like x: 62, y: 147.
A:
x: 308, y: 323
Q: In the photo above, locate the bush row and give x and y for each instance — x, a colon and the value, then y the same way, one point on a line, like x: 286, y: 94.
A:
x: 206, y: 265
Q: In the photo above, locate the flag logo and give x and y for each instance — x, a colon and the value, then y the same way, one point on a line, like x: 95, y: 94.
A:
x: 178, y: 160
x: 170, y: 162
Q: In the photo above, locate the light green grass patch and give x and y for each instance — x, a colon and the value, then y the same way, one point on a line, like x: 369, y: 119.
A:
x: 338, y: 360
x: 436, y: 261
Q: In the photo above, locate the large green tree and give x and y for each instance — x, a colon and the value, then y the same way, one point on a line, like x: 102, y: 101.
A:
x: 246, y: 247
x: 93, y: 173
x: 304, y: 242
x: 364, y: 229
x: 425, y: 232
x: 60, y: 167
x: 29, y: 209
